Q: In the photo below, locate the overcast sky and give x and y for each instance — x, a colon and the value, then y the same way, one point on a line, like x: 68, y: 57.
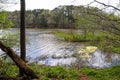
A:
x: 51, y: 4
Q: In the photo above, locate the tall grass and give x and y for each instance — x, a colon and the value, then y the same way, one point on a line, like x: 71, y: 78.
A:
x: 75, y: 37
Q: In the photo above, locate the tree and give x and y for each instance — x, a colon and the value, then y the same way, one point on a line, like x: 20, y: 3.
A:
x: 15, y: 18
x: 22, y: 32
x: 43, y: 21
x: 4, y: 21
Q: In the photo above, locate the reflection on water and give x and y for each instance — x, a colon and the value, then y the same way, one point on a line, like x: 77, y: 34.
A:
x: 100, y: 59
x: 45, y: 48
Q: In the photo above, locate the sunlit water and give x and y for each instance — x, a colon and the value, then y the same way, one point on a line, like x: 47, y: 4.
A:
x: 43, y: 47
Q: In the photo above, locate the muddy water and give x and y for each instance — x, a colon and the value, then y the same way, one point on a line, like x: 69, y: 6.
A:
x: 44, y: 47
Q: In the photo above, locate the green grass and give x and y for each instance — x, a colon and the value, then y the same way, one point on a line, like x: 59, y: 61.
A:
x: 75, y: 37
x: 61, y: 73
x: 116, y: 49
x: 8, y: 70
x: 103, y: 74
x: 69, y: 36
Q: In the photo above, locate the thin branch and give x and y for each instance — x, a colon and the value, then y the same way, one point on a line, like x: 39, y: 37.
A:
x: 91, y: 3
x: 107, y: 5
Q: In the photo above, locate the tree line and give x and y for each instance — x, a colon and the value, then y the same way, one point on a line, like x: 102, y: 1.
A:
x: 67, y: 16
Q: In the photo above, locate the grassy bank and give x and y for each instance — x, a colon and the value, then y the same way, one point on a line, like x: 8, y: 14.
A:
x: 73, y: 36
x: 61, y: 73
x: 103, y: 74
x: 99, y: 39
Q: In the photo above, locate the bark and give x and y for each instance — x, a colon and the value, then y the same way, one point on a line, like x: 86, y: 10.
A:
x: 22, y: 33
x: 18, y: 61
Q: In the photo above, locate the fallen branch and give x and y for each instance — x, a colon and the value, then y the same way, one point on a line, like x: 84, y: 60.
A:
x: 18, y: 61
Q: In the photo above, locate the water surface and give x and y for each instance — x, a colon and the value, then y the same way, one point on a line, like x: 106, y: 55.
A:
x: 43, y: 47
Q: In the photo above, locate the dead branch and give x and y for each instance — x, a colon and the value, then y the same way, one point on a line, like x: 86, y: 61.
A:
x: 107, y: 5
x: 18, y: 61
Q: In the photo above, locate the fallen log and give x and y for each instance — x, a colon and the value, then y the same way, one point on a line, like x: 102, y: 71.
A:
x: 18, y: 61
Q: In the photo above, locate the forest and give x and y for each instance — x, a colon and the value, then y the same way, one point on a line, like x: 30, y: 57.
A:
x: 61, y: 44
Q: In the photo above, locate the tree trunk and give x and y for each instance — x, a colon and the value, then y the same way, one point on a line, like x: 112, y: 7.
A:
x: 22, y: 30
x: 19, y: 62
x: 22, y: 33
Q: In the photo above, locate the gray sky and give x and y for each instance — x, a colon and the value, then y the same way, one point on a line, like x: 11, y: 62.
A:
x: 51, y: 4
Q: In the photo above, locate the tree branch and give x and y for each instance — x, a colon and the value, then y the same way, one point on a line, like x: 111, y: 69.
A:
x: 18, y: 61
x: 107, y: 5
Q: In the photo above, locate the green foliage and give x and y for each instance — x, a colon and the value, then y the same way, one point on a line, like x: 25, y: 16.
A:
x: 60, y: 17
x: 99, y: 39
x: 5, y: 24
x: 7, y: 69
x: 61, y: 73
x: 109, y: 43
x: 103, y: 74
x: 116, y: 49
x: 9, y: 39
x: 70, y: 36
x: 48, y: 73
x: 4, y: 21
x: 73, y: 36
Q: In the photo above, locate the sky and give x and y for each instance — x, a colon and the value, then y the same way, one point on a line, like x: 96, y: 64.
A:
x: 51, y: 4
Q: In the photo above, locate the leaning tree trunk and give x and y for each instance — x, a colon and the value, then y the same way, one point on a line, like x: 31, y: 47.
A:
x: 18, y: 61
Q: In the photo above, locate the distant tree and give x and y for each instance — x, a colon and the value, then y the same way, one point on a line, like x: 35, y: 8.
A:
x: 56, y: 17
x: 69, y: 15
x: 29, y: 16
x: 15, y: 18
x: 43, y: 21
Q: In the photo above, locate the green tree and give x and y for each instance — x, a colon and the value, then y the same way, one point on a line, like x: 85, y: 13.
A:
x: 86, y: 21
x: 43, y: 21
x: 4, y: 21
x: 15, y: 17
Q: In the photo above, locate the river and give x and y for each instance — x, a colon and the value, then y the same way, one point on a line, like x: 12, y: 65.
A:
x: 44, y: 48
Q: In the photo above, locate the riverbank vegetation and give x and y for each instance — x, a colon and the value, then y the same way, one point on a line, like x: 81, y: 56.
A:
x: 99, y: 39
x: 72, y: 36
x: 59, y: 72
